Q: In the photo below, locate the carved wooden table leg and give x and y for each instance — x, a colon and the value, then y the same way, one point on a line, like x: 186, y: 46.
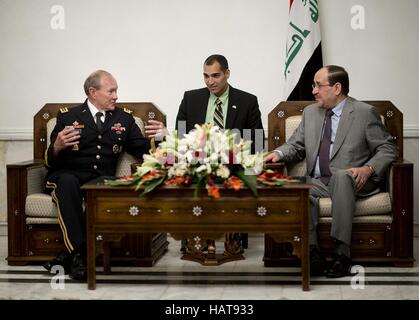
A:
x: 201, y: 248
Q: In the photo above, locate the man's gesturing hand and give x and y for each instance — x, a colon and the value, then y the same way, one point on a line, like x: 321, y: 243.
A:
x: 156, y: 129
x: 66, y: 138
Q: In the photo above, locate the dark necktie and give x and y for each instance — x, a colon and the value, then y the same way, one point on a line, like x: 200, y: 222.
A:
x: 324, y: 160
x: 99, y: 122
x: 218, y: 114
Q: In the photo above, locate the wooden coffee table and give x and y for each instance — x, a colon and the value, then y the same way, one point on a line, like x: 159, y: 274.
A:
x: 112, y: 212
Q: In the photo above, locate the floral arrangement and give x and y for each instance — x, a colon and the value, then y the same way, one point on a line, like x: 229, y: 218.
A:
x: 206, y: 157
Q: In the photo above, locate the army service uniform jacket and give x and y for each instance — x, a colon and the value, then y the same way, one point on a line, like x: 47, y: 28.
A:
x: 97, y: 153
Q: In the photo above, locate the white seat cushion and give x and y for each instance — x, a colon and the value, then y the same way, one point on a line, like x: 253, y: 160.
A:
x: 30, y: 220
x: 40, y: 205
x: 376, y: 204
x: 385, y: 219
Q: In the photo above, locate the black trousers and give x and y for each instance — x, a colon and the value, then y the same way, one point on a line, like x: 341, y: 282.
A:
x: 64, y: 187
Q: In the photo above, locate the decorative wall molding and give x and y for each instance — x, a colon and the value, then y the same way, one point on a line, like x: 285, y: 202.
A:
x: 411, y: 131
x: 3, y: 228
x: 25, y: 134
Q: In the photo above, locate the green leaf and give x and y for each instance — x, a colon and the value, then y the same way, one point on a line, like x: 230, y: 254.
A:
x: 200, y: 184
x: 249, y: 180
x: 117, y: 182
x: 153, y: 184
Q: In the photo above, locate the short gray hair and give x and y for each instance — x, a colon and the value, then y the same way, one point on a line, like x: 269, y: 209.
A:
x: 93, y: 81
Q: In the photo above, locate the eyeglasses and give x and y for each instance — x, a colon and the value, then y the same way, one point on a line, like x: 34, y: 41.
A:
x: 318, y: 86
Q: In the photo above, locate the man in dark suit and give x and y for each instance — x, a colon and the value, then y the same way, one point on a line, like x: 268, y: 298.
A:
x: 85, y: 144
x: 240, y: 110
x: 347, y: 151
x: 219, y: 103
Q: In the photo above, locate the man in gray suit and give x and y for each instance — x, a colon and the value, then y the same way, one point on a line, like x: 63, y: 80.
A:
x: 347, y: 150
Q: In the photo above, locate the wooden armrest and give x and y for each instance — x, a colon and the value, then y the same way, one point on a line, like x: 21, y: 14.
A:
x: 18, y: 175
x: 402, y: 197
x: 25, y: 164
x: 401, y: 163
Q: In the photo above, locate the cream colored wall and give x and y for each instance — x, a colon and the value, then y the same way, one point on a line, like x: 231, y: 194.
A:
x: 155, y: 49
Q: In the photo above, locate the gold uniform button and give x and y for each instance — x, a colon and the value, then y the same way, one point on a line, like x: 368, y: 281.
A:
x: 95, y: 167
x: 97, y: 156
x: 99, y: 147
x: 99, y: 136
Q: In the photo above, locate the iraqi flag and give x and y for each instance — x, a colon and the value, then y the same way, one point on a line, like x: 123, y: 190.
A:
x: 303, y: 50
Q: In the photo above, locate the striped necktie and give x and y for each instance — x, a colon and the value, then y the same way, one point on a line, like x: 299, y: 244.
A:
x: 218, y: 114
x: 324, y: 150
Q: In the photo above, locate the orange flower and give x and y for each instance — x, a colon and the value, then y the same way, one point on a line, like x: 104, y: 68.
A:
x: 149, y: 176
x: 234, y: 182
x: 179, y: 180
x: 125, y: 178
x: 214, y: 192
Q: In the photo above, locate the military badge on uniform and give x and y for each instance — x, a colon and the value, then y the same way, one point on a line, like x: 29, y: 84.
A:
x: 118, y: 128
x: 78, y: 126
x: 116, y: 148
x: 63, y: 110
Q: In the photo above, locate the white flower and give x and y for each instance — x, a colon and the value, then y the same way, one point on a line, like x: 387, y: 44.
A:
x: 150, y: 159
x: 204, y: 151
x: 143, y: 170
x: 201, y: 168
x: 223, y: 172
x: 213, y: 159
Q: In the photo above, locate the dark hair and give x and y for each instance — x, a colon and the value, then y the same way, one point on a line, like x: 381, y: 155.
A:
x: 93, y: 80
x: 338, y: 74
x: 217, y: 58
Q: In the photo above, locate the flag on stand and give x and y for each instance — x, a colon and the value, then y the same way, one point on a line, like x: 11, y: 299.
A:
x: 303, y: 50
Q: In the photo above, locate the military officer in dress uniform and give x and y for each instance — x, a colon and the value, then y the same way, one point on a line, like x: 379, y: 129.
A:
x: 85, y: 144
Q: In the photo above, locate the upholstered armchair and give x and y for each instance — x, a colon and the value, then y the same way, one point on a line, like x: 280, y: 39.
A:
x: 33, y: 231
x: 383, y: 223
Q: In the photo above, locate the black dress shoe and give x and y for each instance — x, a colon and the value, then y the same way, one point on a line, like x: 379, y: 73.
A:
x: 63, y: 259
x: 78, y: 269
x: 341, y: 266
x: 317, y: 263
